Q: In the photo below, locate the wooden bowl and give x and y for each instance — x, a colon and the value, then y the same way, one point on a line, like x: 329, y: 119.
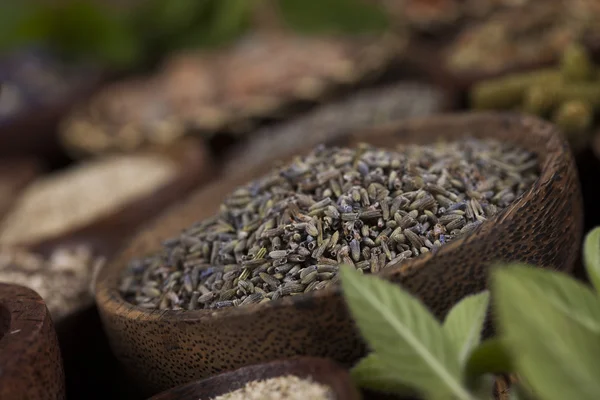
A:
x: 320, y: 370
x: 167, y: 348
x: 30, y: 363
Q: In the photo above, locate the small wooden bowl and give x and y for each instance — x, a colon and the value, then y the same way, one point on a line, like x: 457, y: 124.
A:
x: 320, y: 370
x: 108, y: 233
x: 168, y: 348
x: 30, y: 363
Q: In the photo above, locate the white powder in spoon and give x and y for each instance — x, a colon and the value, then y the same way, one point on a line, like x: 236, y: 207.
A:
x: 280, y: 388
x: 73, y: 198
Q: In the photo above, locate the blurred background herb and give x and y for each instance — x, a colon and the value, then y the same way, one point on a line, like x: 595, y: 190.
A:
x: 138, y: 33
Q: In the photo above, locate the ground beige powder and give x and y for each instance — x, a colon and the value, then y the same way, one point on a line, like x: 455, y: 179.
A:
x: 280, y: 388
x: 63, y: 279
x: 71, y: 199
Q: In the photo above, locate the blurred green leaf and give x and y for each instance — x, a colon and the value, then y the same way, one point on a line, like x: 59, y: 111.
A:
x: 489, y: 357
x: 373, y: 373
x: 557, y: 355
x: 405, y: 335
x: 224, y: 21
x: 464, y: 323
x: 557, y: 288
x: 591, y: 257
x: 21, y: 24
x: 84, y: 27
x: 75, y: 28
x: 333, y: 16
x: 159, y: 18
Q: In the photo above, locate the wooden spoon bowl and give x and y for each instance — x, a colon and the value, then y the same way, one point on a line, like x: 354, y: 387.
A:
x: 30, y: 363
x: 109, y: 232
x: 320, y: 370
x: 167, y: 348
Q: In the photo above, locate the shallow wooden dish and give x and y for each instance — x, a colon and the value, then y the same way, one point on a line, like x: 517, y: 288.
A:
x: 167, y: 348
x: 320, y: 370
x: 30, y: 363
x: 107, y: 233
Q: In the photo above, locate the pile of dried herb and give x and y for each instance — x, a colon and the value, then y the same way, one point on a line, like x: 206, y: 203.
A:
x: 224, y: 90
x: 287, y: 232
x: 529, y: 34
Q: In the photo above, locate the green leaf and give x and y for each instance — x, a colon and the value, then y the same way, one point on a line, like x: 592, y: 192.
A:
x: 405, y: 335
x: 165, y: 17
x: 591, y: 256
x: 20, y: 25
x: 490, y: 357
x: 372, y: 373
x: 558, y: 356
x: 333, y: 16
x: 464, y: 323
x: 230, y: 18
x: 84, y: 28
x: 222, y: 22
x: 75, y: 29
x: 557, y: 288
x: 483, y: 387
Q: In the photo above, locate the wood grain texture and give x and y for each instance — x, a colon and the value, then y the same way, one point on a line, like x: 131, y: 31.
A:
x: 168, y: 348
x: 30, y: 363
x: 319, y: 370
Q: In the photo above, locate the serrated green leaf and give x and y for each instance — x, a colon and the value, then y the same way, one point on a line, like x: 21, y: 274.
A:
x: 489, y: 357
x: 401, y: 331
x: 333, y: 16
x: 558, y: 356
x: 372, y: 373
x: 464, y: 323
x: 591, y: 257
x: 556, y: 288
